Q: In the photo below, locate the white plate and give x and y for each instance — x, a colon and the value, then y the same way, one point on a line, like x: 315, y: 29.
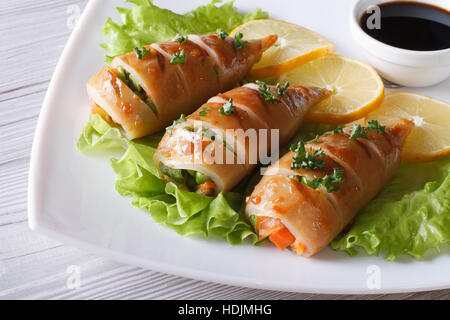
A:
x: 72, y: 196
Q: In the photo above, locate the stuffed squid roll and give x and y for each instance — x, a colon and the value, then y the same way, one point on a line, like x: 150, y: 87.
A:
x: 313, y: 192
x: 171, y: 78
x: 219, y: 144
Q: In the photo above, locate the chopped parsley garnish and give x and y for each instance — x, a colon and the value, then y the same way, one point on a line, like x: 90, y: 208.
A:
x: 227, y: 109
x: 188, y: 129
x: 204, y: 112
x: 141, y: 52
x: 222, y: 34
x: 265, y: 92
x: 374, y: 125
x: 134, y: 85
x: 282, y: 90
x: 303, y: 159
x: 338, y: 130
x: 238, y: 42
x: 179, y: 57
x: 180, y: 39
x: 316, y: 139
x: 315, y: 183
x: 205, y: 132
x: 306, y: 159
x: 330, y: 182
x: 180, y: 120
x: 252, y: 220
x: 358, y: 132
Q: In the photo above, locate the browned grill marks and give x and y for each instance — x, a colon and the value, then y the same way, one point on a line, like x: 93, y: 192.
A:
x: 363, y: 145
x: 161, y: 61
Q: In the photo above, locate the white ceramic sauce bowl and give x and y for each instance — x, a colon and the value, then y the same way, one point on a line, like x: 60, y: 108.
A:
x: 405, y: 67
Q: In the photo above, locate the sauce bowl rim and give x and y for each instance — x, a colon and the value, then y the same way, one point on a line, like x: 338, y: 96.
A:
x: 357, y: 12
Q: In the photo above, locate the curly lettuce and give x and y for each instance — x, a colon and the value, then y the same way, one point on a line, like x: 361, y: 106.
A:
x: 145, y: 23
x: 409, y: 216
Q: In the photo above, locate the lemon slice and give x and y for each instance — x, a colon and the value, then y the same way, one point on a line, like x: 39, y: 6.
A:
x: 356, y: 88
x: 430, y: 138
x: 295, y: 46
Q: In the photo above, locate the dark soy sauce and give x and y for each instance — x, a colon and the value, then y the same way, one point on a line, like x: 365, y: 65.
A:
x: 410, y: 25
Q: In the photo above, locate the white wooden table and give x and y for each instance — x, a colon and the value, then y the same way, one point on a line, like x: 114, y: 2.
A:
x: 32, y: 266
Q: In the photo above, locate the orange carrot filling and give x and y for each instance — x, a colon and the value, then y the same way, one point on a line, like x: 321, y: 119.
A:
x: 282, y: 238
x: 96, y: 109
x: 278, y: 234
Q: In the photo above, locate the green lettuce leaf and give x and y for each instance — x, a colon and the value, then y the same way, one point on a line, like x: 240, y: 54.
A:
x: 188, y: 213
x: 409, y: 216
x: 98, y: 134
x: 145, y: 23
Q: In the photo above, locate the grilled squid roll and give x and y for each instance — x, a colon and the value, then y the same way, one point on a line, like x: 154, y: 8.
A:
x: 306, y: 217
x: 170, y: 78
x: 210, y: 150
x: 119, y: 104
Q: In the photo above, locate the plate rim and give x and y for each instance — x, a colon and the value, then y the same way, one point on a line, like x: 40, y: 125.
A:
x: 42, y: 123
x: 192, y: 273
x: 34, y: 176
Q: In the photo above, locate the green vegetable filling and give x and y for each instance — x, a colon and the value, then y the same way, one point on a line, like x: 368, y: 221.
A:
x: 134, y: 85
x: 181, y: 119
x: 361, y: 132
x: 189, y: 178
